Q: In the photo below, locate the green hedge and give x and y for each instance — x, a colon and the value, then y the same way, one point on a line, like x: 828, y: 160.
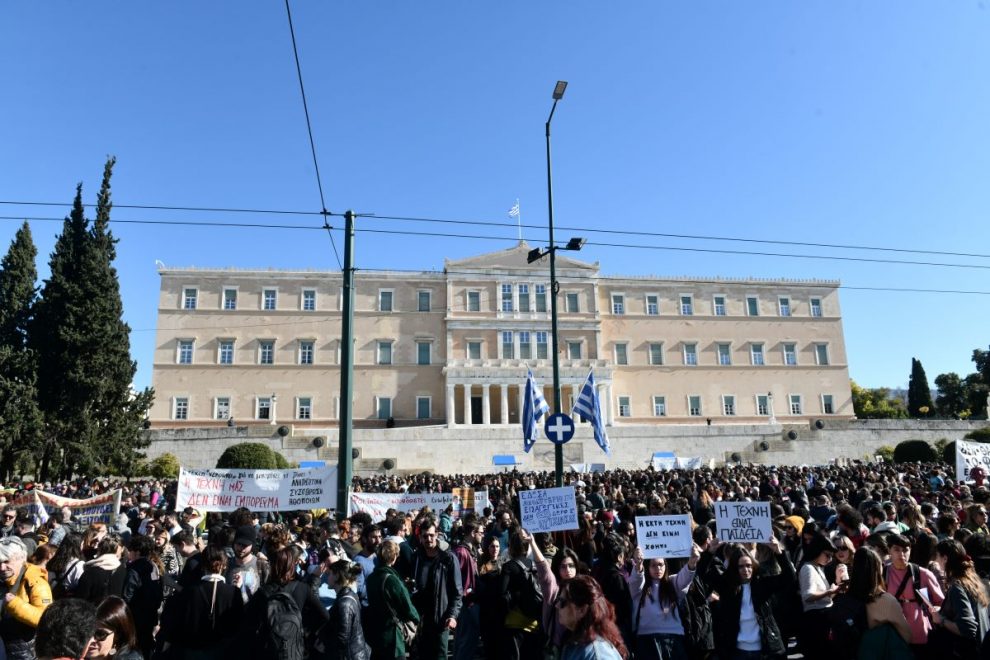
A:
x: 979, y: 435
x: 911, y: 451
x: 252, y: 456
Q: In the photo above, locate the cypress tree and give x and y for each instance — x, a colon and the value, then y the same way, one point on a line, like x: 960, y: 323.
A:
x: 92, y: 417
x: 20, y: 419
x: 919, y: 394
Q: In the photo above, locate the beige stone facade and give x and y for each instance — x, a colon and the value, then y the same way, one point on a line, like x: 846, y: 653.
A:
x: 453, y: 347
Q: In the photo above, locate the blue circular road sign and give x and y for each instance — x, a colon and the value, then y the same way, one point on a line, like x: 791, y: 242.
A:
x: 559, y: 428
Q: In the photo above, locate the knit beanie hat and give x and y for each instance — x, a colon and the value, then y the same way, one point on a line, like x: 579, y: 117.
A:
x: 797, y: 521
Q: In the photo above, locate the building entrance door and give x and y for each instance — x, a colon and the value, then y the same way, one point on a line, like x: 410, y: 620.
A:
x: 476, y: 417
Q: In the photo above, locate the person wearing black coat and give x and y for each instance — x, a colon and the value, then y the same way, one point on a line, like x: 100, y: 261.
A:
x: 744, y: 622
x: 202, y: 619
x: 143, y: 591
x: 614, y: 586
x: 105, y: 575
x: 343, y: 638
x: 282, y: 578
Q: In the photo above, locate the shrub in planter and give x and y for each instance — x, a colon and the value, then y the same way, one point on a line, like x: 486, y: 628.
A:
x: 910, y: 451
x: 248, y: 456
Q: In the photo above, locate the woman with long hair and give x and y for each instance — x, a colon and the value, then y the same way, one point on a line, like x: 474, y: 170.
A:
x: 883, y: 632
x: 656, y: 595
x: 343, y: 636
x: 388, y: 596
x: 489, y: 597
x: 522, y: 637
x: 590, y: 619
x: 115, y: 637
x: 844, y: 552
x: 200, y: 621
x: 551, y: 574
x: 66, y: 567
x: 923, y: 554
x: 964, y: 614
x: 744, y: 622
x: 816, y: 597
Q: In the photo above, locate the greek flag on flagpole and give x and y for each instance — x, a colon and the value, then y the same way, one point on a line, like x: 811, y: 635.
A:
x: 534, y: 407
x: 589, y: 408
x: 514, y: 211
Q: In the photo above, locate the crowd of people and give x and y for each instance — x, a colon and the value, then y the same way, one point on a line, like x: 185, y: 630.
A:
x: 866, y: 560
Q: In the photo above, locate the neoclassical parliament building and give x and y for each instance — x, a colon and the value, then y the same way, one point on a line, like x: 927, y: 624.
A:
x: 453, y: 347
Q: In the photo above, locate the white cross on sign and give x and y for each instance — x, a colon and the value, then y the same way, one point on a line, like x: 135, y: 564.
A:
x: 559, y: 428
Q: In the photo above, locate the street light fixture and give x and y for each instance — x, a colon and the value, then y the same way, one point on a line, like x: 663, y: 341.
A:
x: 558, y: 450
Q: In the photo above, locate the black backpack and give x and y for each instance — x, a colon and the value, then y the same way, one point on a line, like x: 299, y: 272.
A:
x: 846, y: 624
x: 528, y: 597
x: 696, y: 617
x: 282, y: 628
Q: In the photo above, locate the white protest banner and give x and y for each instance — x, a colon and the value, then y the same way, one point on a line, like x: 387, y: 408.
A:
x: 743, y: 522
x: 664, y: 536
x: 258, y: 490
x: 689, y: 463
x: 30, y: 503
x: 970, y: 455
x: 377, y: 504
x: 100, y: 509
x: 548, y: 509
x: 664, y: 460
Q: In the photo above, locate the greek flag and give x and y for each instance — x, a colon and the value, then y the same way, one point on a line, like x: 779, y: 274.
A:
x: 588, y: 407
x: 534, y: 407
x: 514, y: 211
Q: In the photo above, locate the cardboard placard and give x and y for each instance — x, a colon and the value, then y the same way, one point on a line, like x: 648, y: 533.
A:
x: 664, y: 536
x: 548, y: 509
x: 743, y: 522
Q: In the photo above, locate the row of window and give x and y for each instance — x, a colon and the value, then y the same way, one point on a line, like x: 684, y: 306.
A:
x: 185, y: 349
x: 264, y: 408
x: 723, y: 354
x: 729, y: 405
x: 685, y: 305
x: 523, y: 345
x: 307, y: 300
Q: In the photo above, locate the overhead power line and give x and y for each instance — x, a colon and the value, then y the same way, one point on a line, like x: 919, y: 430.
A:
x: 825, y: 257
x: 512, y: 225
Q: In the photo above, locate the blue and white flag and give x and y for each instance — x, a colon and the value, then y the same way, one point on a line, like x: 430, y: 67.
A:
x: 534, y: 407
x: 589, y: 408
x: 514, y: 211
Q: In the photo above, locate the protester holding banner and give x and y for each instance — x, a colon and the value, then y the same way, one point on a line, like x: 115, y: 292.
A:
x: 744, y: 622
x: 656, y: 596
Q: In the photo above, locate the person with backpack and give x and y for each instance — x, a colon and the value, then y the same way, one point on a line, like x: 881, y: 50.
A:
x: 343, y: 638
x: 436, y: 592
x: 963, y: 622
x: 105, y: 574
x: 66, y: 567
x: 284, y: 615
x: 916, y: 589
x: 866, y: 622
x: 523, y: 601
x: 656, y: 600
x: 608, y: 573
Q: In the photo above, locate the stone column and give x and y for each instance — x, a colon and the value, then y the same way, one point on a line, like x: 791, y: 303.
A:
x: 486, y: 405
x: 451, y: 412
x: 467, y: 405
x: 504, y: 417
x: 605, y: 400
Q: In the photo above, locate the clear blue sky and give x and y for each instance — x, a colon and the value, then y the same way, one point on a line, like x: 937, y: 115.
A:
x: 859, y: 123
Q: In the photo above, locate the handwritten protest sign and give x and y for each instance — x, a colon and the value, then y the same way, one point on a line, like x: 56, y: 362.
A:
x: 664, y: 536
x: 743, y: 522
x: 100, y: 509
x: 970, y: 455
x: 258, y: 490
x: 377, y: 504
x: 548, y: 509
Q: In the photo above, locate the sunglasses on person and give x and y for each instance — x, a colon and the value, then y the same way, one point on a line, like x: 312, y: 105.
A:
x: 9, y: 516
x: 101, y: 634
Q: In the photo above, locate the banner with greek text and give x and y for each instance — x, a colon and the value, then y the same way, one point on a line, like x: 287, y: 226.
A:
x: 376, y: 504
x: 970, y: 455
x: 100, y: 509
x: 258, y: 490
x: 743, y: 522
x: 664, y: 536
x: 548, y: 509
x: 30, y: 503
